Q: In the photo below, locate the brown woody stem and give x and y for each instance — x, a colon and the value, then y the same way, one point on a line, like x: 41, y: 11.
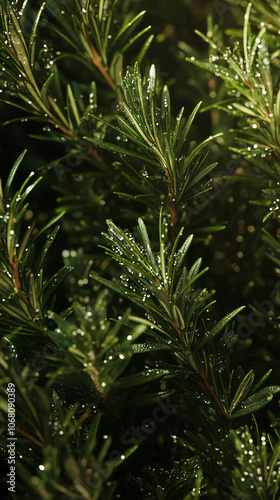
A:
x: 97, y: 61
x: 29, y: 436
x: 17, y: 282
x: 16, y: 276
x: 205, y: 385
x: 174, y: 219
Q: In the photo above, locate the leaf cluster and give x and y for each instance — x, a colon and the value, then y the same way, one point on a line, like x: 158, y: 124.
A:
x: 82, y: 388
x: 24, y: 292
x: 164, y: 167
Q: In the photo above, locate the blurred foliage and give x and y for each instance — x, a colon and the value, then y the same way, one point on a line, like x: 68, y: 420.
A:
x: 131, y: 379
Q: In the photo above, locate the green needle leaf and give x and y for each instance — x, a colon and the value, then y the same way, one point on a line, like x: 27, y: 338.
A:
x: 147, y: 244
x: 12, y: 174
x: 140, y: 378
x: 256, y: 401
x: 219, y: 326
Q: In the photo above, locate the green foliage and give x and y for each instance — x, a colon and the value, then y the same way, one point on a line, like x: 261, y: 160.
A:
x: 257, y: 468
x: 33, y: 74
x: 247, y: 72
x: 171, y: 174
x: 24, y: 293
x: 174, y: 312
x: 130, y: 379
x: 250, y: 71
x: 53, y: 434
x: 153, y: 282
